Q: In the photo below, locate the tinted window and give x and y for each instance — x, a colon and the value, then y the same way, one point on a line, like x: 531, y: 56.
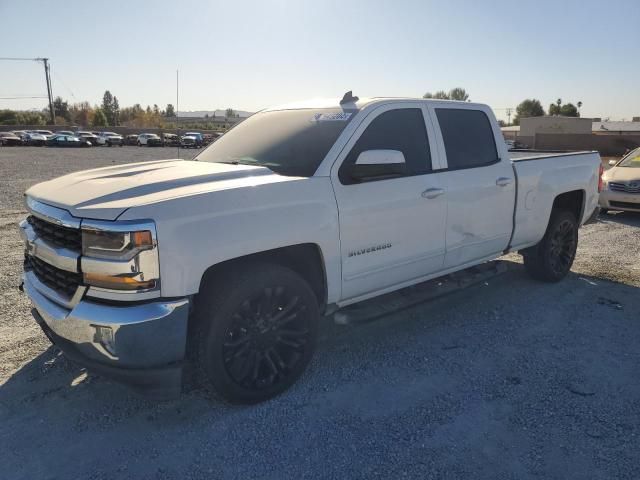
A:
x: 289, y: 142
x: 468, y: 137
x: 402, y: 130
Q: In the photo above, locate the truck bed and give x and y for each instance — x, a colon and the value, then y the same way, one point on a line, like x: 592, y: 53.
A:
x: 523, y: 155
x: 540, y: 182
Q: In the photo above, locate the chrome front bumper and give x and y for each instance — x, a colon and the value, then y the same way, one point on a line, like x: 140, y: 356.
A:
x: 136, y: 337
x: 142, y: 345
x: 622, y: 200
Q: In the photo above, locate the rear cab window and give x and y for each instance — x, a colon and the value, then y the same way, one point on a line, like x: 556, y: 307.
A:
x: 468, y: 138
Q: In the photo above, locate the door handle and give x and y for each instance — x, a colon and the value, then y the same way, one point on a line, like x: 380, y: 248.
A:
x: 432, y: 193
x: 503, y: 181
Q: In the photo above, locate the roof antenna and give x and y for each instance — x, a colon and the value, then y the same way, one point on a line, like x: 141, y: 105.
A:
x: 348, y: 98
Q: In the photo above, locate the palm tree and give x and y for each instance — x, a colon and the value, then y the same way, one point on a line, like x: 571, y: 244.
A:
x: 559, y: 102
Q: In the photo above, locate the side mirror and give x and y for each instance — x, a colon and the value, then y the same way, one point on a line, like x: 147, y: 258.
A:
x: 378, y: 164
x: 613, y: 162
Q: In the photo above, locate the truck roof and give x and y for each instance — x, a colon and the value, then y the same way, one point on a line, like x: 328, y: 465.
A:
x: 318, y: 103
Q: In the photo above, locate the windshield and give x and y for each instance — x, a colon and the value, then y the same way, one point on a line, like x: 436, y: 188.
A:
x: 632, y: 159
x: 289, y: 142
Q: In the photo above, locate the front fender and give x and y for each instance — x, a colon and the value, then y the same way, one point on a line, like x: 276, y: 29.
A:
x: 198, y: 231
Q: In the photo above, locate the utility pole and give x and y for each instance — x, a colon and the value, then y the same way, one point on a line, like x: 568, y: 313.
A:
x: 47, y: 76
x: 177, y: 108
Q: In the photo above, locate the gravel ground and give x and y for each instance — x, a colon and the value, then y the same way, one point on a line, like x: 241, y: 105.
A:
x: 509, y: 379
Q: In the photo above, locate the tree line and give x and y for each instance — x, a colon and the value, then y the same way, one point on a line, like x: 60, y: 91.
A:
x: 108, y: 113
x: 532, y: 107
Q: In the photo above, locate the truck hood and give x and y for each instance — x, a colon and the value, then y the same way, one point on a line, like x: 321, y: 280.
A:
x: 105, y: 193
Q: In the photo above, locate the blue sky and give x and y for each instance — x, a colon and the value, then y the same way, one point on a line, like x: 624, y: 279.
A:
x: 252, y: 54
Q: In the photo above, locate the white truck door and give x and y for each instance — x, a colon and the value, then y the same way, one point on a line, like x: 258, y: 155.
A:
x: 392, y: 217
x: 480, y: 184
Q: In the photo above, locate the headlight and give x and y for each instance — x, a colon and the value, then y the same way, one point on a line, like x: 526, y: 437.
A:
x: 117, y: 245
x: 120, y: 260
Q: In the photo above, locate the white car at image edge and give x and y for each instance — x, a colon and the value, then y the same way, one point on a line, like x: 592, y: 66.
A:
x: 621, y: 184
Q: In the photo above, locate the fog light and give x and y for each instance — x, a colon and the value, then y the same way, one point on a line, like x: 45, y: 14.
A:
x: 104, y: 336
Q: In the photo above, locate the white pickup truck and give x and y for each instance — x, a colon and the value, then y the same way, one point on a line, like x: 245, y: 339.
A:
x: 232, y: 259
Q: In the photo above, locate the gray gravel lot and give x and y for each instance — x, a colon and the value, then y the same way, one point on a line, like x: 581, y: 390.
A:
x: 510, y: 379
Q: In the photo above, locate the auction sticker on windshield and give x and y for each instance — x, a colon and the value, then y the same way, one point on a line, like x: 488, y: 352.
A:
x: 332, y: 117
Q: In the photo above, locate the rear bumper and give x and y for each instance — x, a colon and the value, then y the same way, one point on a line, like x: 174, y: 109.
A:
x: 140, y: 345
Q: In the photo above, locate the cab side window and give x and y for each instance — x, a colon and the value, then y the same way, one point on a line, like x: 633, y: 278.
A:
x: 468, y: 138
x: 403, y: 130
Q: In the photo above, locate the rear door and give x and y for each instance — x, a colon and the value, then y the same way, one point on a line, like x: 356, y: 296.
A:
x: 391, y: 231
x: 480, y: 185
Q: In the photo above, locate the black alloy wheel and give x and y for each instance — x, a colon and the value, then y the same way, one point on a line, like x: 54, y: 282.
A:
x: 562, y: 247
x: 551, y: 259
x: 266, y: 340
x: 256, y: 332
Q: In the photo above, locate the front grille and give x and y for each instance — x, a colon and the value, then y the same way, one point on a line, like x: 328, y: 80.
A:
x: 634, y: 206
x: 60, y: 280
x: 623, y: 187
x: 57, y: 235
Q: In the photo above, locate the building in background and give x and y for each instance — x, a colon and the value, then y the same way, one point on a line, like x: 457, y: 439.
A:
x: 571, y: 133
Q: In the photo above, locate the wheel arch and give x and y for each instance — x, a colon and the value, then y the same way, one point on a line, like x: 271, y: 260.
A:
x: 306, y: 259
x: 573, y: 201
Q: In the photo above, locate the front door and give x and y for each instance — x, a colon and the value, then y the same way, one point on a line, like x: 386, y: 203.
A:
x: 391, y: 229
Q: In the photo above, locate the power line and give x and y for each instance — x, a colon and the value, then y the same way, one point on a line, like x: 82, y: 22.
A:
x: 22, y: 59
x: 22, y: 97
x: 64, y: 84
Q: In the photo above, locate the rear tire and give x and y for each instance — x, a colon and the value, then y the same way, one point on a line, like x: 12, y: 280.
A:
x: 551, y: 259
x: 256, y: 331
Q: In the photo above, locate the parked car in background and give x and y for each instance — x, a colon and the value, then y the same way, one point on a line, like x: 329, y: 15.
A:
x: 208, y: 138
x: 67, y: 141
x: 171, y: 140
x: 10, y: 139
x: 46, y: 133
x: 110, y: 139
x: 64, y: 132
x: 155, y: 141
x: 192, y: 140
x: 35, y: 139
x: 143, y: 139
x: 621, y: 184
x: 88, y: 136
x: 131, y: 139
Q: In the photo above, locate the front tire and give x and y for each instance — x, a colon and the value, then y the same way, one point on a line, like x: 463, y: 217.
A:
x: 256, y: 332
x: 551, y: 259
